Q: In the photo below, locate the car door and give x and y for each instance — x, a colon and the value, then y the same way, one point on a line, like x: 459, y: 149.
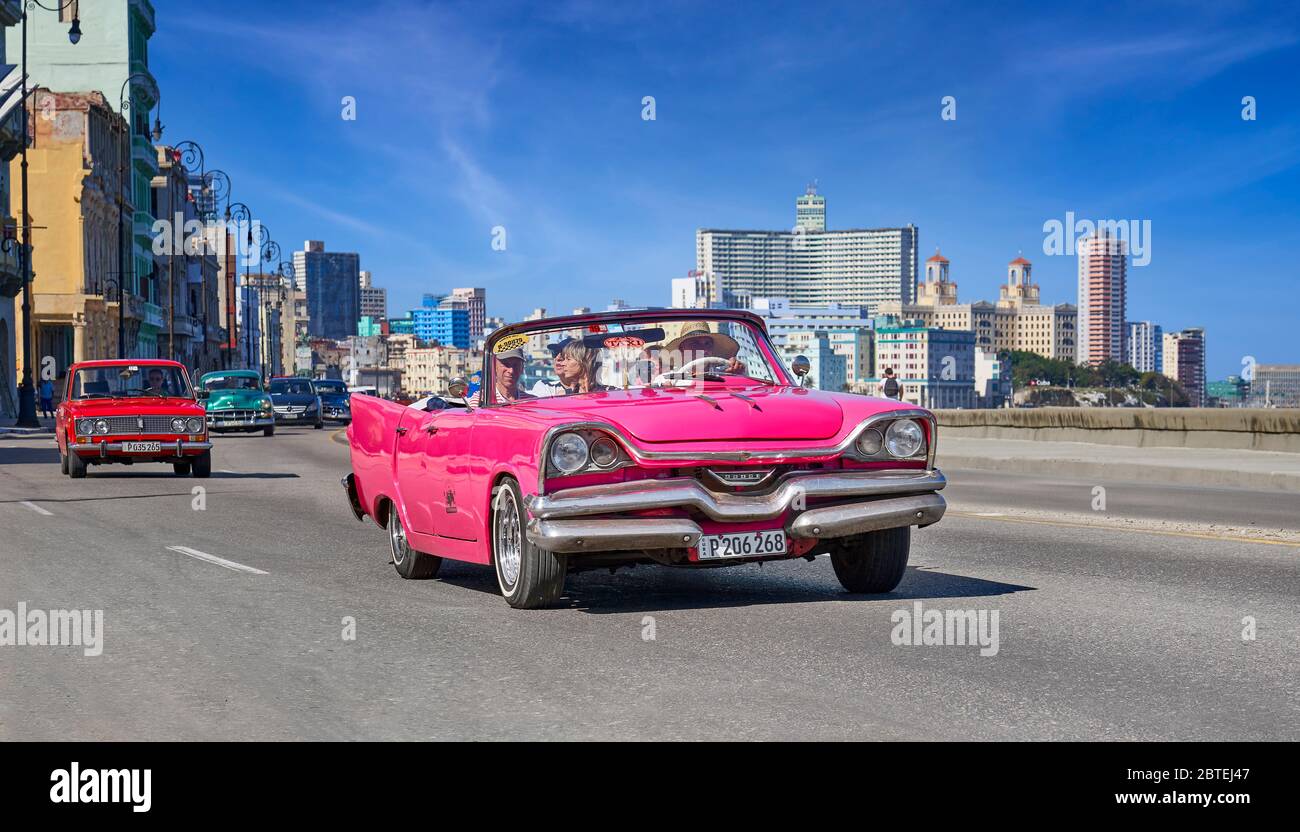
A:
x: 419, y: 473
x: 448, y: 457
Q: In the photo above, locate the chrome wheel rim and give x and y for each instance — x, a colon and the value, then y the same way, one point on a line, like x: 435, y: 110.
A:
x: 508, y: 538
x: 397, y: 537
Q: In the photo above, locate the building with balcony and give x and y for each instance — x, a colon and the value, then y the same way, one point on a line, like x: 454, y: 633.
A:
x: 1275, y: 385
x: 11, y: 272
x: 73, y: 198
x: 935, y: 367
x: 112, y: 59
x: 1183, y: 360
x: 1145, y: 346
x: 1103, y: 295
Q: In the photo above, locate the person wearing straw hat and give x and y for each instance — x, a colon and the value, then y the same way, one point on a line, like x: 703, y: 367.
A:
x: 695, y: 340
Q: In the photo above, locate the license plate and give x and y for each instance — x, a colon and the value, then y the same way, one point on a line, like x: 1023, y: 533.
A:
x: 141, y: 447
x: 742, y: 544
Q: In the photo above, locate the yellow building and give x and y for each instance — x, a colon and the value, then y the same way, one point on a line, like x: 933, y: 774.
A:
x: 74, y: 195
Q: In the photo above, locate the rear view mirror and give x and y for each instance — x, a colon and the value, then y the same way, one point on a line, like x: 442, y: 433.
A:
x: 457, y: 388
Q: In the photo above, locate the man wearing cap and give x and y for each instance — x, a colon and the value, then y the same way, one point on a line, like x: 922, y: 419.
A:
x: 695, y: 341
x: 507, y: 372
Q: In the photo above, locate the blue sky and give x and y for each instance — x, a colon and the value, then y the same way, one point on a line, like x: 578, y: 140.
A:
x: 528, y: 116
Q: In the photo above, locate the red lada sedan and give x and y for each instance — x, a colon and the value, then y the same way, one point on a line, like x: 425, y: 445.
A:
x: 128, y: 411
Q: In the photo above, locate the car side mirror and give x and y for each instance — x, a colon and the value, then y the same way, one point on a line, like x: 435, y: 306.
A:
x: 800, y: 366
x: 458, y: 388
x: 201, y: 394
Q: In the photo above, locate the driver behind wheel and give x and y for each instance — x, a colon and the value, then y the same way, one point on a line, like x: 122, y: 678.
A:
x: 695, y: 341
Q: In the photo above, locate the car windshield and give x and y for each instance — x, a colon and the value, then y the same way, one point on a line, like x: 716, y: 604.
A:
x: 293, y: 386
x: 616, y: 355
x: 332, y: 387
x: 127, y: 381
x: 232, y: 383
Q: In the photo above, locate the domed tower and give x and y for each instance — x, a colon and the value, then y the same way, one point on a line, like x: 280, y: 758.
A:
x: 1019, y: 290
x: 938, y: 289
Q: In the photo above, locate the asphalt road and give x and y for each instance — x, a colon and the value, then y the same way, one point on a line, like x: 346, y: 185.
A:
x: 1105, y: 632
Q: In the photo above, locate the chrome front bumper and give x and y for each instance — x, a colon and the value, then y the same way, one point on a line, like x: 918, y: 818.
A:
x: 167, y: 451
x: 577, y: 519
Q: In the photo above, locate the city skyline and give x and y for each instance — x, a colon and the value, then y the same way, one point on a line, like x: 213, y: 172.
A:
x: 532, y: 120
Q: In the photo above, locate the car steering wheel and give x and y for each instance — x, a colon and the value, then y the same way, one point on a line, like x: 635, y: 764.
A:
x: 705, y: 361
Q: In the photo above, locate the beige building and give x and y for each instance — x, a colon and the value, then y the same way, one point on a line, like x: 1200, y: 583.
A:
x: 74, y: 194
x: 1018, y: 321
x: 430, y: 369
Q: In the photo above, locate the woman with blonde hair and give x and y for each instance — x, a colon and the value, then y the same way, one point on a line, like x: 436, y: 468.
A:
x: 575, y: 366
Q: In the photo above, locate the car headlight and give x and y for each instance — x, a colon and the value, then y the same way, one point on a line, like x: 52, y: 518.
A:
x: 904, y: 438
x: 101, y: 426
x: 178, y: 426
x: 569, y: 453
x: 870, y: 442
x: 85, y: 427
x: 604, y: 452
x: 194, y: 425
x: 266, y: 405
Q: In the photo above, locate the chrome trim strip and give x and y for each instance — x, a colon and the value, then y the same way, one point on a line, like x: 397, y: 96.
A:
x: 857, y: 518
x: 847, y: 445
x: 684, y: 492
x: 613, y: 534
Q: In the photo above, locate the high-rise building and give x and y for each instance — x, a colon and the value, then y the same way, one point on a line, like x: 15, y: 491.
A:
x: 374, y: 300
x: 331, y: 282
x: 1184, y: 361
x: 810, y: 210
x: 443, y: 322
x: 1146, y: 346
x: 690, y: 292
x: 112, y: 59
x: 1103, y: 282
x: 475, y: 300
x: 811, y: 267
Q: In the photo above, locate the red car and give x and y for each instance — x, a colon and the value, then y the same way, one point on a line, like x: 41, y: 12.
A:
x: 128, y: 411
x: 671, y: 436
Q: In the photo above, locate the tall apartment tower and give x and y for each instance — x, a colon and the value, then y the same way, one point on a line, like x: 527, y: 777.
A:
x: 331, y: 282
x: 1145, y: 346
x: 810, y: 210
x: 1184, y: 362
x: 1103, y: 280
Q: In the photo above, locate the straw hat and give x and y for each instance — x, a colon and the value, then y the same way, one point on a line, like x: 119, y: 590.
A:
x: 724, y: 345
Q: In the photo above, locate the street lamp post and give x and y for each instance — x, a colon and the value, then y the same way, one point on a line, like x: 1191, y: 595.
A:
x: 124, y: 153
x: 240, y: 214
x: 270, y: 251
x: 27, y: 389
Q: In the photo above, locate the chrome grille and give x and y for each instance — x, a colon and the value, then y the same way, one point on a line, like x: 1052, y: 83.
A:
x: 131, y: 424
x: 219, y: 416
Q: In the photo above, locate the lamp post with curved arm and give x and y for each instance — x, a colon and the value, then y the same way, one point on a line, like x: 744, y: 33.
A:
x: 27, y: 388
x: 270, y: 253
x: 242, y: 216
x: 124, y: 153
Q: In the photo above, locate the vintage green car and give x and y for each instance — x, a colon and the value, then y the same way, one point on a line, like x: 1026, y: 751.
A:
x: 236, y: 401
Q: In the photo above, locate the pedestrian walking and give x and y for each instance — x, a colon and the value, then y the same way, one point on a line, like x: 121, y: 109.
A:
x: 47, y: 398
x: 890, y: 387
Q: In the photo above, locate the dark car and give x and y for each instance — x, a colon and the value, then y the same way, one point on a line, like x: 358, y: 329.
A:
x: 334, y: 399
x: 295, y: 402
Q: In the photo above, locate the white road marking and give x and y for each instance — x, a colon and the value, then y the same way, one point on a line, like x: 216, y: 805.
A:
x: 227, y: 471
x: 989, y: 514
x: 36, y: 508
x: 204, y: 556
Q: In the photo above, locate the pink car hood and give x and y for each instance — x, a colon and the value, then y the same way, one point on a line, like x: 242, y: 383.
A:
x: 680, y: 416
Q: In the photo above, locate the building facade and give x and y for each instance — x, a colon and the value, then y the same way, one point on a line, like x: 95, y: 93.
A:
x: 1103, y: 295
x: 1276, y: 385
x: 1183, y: 360
x: 330, y: 282
x: 1017, y: 321
x: 861, y: 267
x: 374, y: 299
x: 475, y: 300
x: 1145, y: 345
x: 74, y: 198
x: 11, y: 272
x: 827, y: 368
x: 935, y: 367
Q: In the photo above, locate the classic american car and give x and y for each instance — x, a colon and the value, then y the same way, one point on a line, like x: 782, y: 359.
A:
x: 676, y: 437
x: 129, y: 411
x: 235, y: 401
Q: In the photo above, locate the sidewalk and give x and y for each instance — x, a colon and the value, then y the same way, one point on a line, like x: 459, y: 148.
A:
x: 1211, y: 467
x: 8, y: 430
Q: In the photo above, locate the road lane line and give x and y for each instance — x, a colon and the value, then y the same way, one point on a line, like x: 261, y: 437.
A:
x: 36, y: 508
x: 204, y: 556
x: 1117, y: 528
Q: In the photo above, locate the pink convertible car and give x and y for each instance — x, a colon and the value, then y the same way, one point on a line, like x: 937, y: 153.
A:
x: 669, y: 436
